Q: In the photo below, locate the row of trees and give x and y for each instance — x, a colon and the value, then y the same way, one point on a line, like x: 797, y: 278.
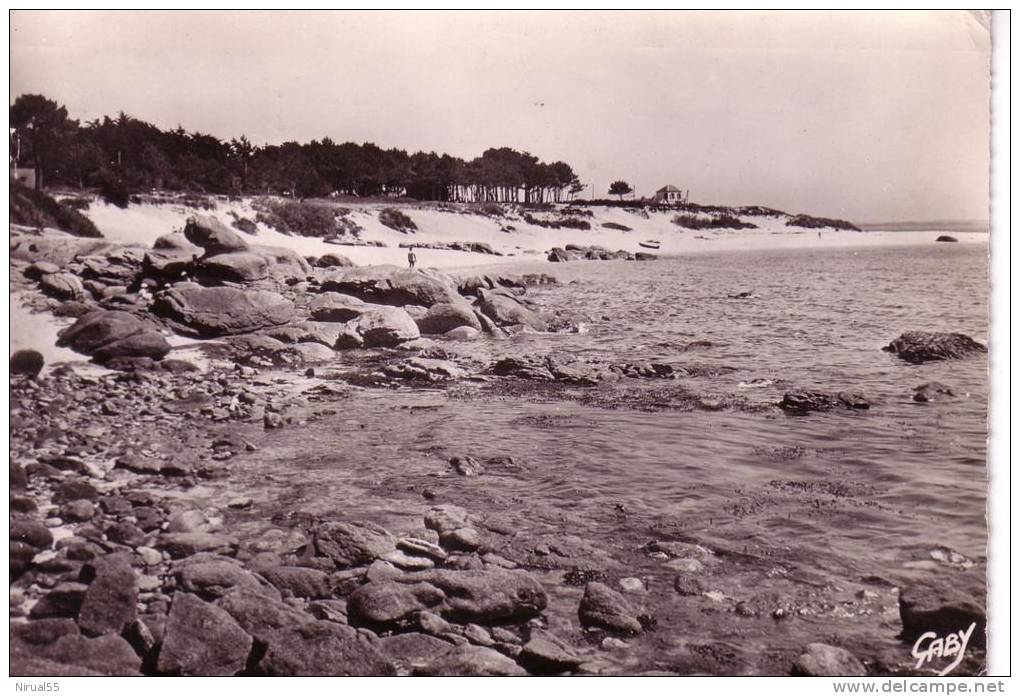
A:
x: 133, y: 154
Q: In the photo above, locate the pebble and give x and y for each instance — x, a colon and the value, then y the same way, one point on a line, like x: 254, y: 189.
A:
x: 463, y: 539
x: 478, y: 635
x: 611, y: 643
x: 686, y: 565
x: 632, y: 585
x: 149, y: 555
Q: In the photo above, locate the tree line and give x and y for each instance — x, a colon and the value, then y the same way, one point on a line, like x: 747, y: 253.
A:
x: 128, y: 153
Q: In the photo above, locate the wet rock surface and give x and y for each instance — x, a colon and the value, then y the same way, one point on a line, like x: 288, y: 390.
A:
x: 923, y: 346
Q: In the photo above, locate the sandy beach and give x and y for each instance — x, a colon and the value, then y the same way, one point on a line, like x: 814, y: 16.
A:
x: 142, y: 224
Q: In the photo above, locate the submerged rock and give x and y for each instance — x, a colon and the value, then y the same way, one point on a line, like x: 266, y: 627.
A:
x: 807, y: 401
x: 923, y: 346
x: 932, y: 391
x: 505, y: 309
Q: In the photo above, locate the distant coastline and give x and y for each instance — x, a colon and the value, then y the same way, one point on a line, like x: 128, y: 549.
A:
x: 926, y: 225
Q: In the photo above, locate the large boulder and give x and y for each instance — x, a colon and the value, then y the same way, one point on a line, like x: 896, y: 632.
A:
x: 170, y: 264
x: 27, y: 362
x: 390, y: 604
x: 222, y: 311
x: 464, y: 596
x: 256, y: 263
x: 604, y: 607
x: 325, y: 333
x: 558, y: 255
x: 108, y: 334
x: 176, y: 241
x: 333, y: 261
x: 202, y: 640
x: 76, y: 655
x: 381, y: 327
x: 487, y: 596
x: 444, y: 316
x: 505, y: 309
x: 56, y: 248
x: 336, y: 307
x: 62, y: 285
x: 471, y: 661
x: 212, y: 235
x: 213, y: 579
x: 323, y: 649
x: 923, y: 346
x: 821, y: 660
x: 390, y: 285
x: 942, y: 609
x: 109, y: 603
x: 352, y: 543
x: 258, y: 613
x: 116, y: 267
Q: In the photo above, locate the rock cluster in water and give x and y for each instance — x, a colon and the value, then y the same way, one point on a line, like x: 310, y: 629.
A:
x: 923, y: 346
x: 574, y: 252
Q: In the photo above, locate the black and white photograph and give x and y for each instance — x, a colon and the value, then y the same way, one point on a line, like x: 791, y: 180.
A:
x: 435, y: 343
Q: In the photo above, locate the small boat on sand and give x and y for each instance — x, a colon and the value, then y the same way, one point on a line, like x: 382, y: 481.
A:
x: 649, y: 244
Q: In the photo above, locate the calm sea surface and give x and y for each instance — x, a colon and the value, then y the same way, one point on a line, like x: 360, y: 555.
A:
x: 841, y: 496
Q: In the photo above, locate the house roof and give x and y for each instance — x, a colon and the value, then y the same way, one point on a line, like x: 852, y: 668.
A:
x: 670, y: 188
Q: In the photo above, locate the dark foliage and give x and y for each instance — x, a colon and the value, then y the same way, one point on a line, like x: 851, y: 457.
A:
x: 569, y: 223
x: 302, y: 218
x: 36, y: 209
x: 818, y: 222
x: 620, y: 188
x: 143, y: 157
x: 722, y: 221
x: 244, y: 224
x: 397, y: 220
x: 616, y: 226
x: 114, y: 191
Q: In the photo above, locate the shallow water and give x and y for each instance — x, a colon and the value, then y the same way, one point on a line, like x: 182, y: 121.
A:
x: 830, y: 500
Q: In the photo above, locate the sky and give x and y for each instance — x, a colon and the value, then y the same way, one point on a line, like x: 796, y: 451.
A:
x: 870, y: 116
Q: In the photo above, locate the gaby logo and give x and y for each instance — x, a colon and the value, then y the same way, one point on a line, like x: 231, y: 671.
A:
x: 929, y: 646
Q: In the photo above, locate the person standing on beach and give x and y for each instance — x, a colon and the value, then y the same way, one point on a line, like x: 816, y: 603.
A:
x: 411, y: 258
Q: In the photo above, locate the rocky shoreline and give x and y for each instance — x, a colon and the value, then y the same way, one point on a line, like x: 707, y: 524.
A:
x: 135, y: 551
